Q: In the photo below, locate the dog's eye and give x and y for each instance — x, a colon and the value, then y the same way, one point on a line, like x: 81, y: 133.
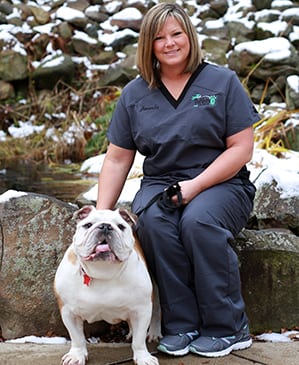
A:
x: 121, y: 227
x: 87, y: 225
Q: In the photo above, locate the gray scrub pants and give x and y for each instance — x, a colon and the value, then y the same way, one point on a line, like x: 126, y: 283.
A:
x: 190, y: 257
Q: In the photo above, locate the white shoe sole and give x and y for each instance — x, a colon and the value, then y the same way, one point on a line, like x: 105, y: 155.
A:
x: 181, y: 352
x: 237, y: 346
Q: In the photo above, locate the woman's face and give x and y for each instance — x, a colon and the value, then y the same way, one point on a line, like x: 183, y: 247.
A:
x: 171, y: 45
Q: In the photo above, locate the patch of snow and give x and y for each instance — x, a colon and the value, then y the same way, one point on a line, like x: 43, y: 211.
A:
x: 10, y: 194
x: 25, y: 129
x: 266, y: 168
x: 278, y: 337
x: 40, y: 340
x: 128, y: 14
x: 68, y: 14
x: 293, y: 82
x: 277, y: 27
x: 85, y: 37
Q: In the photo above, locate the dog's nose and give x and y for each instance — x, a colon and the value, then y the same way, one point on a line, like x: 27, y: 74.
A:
x: 105, y: 228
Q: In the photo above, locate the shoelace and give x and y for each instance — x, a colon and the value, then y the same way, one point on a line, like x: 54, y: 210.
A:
x: 191, y: 335
x: 226, y: 339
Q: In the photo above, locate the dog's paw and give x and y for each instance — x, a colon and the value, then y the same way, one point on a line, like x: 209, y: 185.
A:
x: 146, y: 359
x: 154, y: 335
x: 154, y: 331
x: 75, y: 357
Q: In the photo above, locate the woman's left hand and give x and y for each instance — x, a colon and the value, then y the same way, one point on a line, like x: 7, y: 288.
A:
x: 188, y: 191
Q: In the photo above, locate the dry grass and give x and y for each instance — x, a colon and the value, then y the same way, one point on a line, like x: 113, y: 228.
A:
x: 75, y: 118
x: 271, y: 132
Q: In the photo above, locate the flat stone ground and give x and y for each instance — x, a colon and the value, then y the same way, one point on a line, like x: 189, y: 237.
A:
x: 261, y: 353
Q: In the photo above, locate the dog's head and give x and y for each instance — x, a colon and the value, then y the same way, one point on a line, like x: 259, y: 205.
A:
x: 103, y: 234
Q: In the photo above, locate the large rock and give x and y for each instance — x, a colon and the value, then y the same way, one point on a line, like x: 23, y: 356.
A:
x: 265, y: 59
x: 262, y: 4
x: 6, y: 90
x: 215, y: 50
x: 35, y: 232
x: 241, y: 31
x: 41, y: 16
x: 50, y: 72
x: 270, y: 278
x: 73, y: 16
x: 130, y: 18
x: 13, y: 65
x: 273, y: 209
x: 85, y: 45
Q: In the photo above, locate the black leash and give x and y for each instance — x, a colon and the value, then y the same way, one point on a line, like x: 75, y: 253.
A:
x: 164, y: 199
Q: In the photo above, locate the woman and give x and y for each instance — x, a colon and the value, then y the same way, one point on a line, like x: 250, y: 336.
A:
x: 193, y: 123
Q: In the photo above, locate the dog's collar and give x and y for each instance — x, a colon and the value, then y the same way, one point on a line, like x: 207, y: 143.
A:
x: 86, y: 278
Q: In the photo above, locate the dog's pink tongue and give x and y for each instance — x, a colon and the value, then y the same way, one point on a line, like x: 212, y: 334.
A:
x: 99, y: 248
x: 102, y: 248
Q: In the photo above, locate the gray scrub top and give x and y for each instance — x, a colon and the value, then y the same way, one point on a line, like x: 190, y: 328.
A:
x: 179, y: 138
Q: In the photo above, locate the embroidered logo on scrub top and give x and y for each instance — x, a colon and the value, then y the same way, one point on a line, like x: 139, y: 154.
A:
x: 203, y: 100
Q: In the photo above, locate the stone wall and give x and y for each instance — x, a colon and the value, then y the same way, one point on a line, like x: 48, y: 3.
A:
x: 45, y: 42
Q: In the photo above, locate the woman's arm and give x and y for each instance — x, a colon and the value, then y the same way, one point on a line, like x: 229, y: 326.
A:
x: 115, y: 169
x: 227, y: 165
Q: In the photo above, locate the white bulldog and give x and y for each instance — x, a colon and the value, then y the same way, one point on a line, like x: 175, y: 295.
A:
x: 103, y: 276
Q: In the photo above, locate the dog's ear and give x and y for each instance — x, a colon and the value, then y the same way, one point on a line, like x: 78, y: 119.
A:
x: 83, y: 212
x: 128, y: 217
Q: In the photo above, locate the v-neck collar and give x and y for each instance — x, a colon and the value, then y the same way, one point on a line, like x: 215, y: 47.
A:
x: 176, y: 102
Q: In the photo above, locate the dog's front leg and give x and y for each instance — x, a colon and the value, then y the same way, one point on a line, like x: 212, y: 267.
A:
x: 78, y: 352
x: 139, y: 322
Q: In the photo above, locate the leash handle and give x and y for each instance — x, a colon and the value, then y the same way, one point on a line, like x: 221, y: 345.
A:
x: 165, y: 202
x: 173, y: 190
x: 164, y: 199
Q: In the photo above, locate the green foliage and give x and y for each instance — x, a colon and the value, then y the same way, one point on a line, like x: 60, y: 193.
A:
x: 98, y: 141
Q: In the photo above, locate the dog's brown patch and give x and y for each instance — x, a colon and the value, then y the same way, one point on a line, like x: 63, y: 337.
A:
x: 72, y: 257
x: 59, y: 302
x: 58, y: 298
x: 138, y: 248
x: 129, y: 217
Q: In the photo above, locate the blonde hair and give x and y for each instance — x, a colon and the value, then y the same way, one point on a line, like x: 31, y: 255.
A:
x: 152, y: 23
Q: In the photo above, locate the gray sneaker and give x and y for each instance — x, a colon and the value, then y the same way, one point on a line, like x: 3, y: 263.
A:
x: 177, y: 345
x: 221, y: 346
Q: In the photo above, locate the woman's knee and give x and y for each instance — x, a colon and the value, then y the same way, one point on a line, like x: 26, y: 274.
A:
x: 204, y: 232
x: 195, y: 219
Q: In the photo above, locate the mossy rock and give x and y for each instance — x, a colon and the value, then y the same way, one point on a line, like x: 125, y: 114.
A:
x: 270, y: 283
